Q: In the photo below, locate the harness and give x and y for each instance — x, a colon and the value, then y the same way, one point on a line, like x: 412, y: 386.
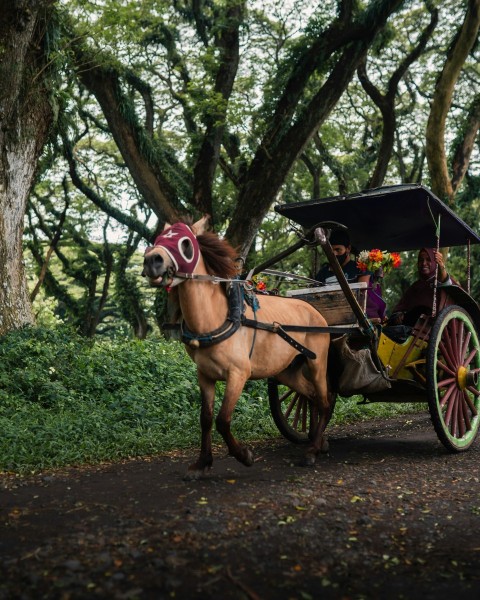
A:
x: 238, y: 297
x: 236, y: 310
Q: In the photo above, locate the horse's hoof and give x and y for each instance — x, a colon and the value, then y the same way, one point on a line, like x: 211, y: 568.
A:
x: 247, y: 458
x: 195, y: 472
x: 325, y: 446
x: 193, y: 475
x: 308, y: 460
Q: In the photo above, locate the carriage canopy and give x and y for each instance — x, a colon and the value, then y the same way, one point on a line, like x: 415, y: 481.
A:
x: 394, y: 218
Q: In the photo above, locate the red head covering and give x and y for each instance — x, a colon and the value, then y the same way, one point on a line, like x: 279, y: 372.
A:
x: 184, y: 256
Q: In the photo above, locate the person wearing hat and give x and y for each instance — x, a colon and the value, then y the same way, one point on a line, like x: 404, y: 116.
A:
x: 342, y: 248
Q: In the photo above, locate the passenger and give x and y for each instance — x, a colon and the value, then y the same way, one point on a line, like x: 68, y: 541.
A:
x: 342, y: 248
x: 418, y: 298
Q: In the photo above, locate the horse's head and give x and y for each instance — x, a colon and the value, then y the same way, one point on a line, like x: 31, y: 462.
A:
x: 175, y: 251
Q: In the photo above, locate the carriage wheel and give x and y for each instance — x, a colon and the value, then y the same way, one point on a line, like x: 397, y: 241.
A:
x: 291, y: 412
x: 453, y: 383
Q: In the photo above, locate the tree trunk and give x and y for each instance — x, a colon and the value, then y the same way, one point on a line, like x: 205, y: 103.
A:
x: 442, y: 100
x: 25, y: 118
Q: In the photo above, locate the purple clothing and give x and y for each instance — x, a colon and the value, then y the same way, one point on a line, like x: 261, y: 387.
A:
x: 376, y: 305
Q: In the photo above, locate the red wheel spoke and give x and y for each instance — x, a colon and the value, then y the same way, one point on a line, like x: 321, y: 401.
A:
x: 470, y: 357
x: 466, y: 416
x: 459, y: 341
x: 298, y: 411
x: 457, y: 410
x: 447, y: 395
x: 304, y: 415
x: 454, y: 333
x: 474, y: 391
x: 446, y: 382
x: 286, y: 395
x: 460, y: 415
x: 471, y: 405
x: 443, y: 366
x: 451, y: 417
x: 466, y: 342
x: 293, y: 401
x: 450, y: 406
x: 447, y: 355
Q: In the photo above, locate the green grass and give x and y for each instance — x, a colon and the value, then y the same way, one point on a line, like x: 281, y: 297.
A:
x: 65, y: 400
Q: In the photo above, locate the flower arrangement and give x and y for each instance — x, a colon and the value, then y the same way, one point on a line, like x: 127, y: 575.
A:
x: 374, y: 260
x: 260, y: 282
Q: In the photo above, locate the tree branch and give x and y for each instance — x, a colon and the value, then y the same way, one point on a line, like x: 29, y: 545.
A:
x: 207, y: 160
x: 159, y: 178
x: 284, y: 142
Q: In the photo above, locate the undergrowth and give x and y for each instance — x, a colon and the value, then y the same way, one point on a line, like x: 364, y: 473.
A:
x: 65, y: 400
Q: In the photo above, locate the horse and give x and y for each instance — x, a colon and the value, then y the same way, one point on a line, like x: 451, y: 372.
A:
x: 192, y: 261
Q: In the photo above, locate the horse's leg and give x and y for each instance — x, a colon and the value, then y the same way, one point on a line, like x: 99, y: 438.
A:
x: 321, y: 410
x: 205, y: 459
x: 233, y: 389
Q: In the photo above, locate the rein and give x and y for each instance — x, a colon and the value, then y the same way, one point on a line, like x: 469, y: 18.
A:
x: 245, y: 282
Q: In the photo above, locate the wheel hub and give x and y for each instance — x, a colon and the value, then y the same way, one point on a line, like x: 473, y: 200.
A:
x: 462, y: 377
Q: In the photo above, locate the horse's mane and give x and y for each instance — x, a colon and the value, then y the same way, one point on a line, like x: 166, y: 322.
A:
x: 218, y: 255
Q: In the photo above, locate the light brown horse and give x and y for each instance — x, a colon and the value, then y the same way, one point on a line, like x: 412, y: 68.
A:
x: 182, y: 251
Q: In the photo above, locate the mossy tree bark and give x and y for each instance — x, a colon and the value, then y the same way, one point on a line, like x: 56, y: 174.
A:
x: 25, y: 118
x: 442, y: 184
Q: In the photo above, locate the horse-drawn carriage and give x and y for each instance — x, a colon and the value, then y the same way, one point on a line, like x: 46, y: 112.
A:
x: 436, y: 361
x: 320, y: 342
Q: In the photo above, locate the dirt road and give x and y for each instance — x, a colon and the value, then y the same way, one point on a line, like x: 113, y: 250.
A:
x: 388, y: 514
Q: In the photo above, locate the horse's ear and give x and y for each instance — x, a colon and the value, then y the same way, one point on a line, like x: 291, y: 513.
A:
x: 202, y: 225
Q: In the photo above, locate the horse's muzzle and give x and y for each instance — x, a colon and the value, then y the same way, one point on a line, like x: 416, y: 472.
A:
x: 154, y: 268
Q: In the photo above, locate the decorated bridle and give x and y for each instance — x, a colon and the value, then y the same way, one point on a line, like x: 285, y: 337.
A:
x: 181, y: 245
x: 172, y: 240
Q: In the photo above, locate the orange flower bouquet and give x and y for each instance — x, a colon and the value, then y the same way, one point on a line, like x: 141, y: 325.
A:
x: 378, y: 260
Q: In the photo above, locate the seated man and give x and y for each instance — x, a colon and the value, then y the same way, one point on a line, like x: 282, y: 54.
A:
x: 342, y: 248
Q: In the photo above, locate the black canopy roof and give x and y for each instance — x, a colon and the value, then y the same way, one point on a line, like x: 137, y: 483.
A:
x: 394, y: 218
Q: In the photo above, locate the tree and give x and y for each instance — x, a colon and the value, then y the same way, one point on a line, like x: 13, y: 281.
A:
x: 444, y: 185
x: 27, y: 34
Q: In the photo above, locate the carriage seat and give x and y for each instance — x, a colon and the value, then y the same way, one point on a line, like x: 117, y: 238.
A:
x: 330, y: 301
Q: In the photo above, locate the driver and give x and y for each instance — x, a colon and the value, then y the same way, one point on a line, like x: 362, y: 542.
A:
x: 342, y: 248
